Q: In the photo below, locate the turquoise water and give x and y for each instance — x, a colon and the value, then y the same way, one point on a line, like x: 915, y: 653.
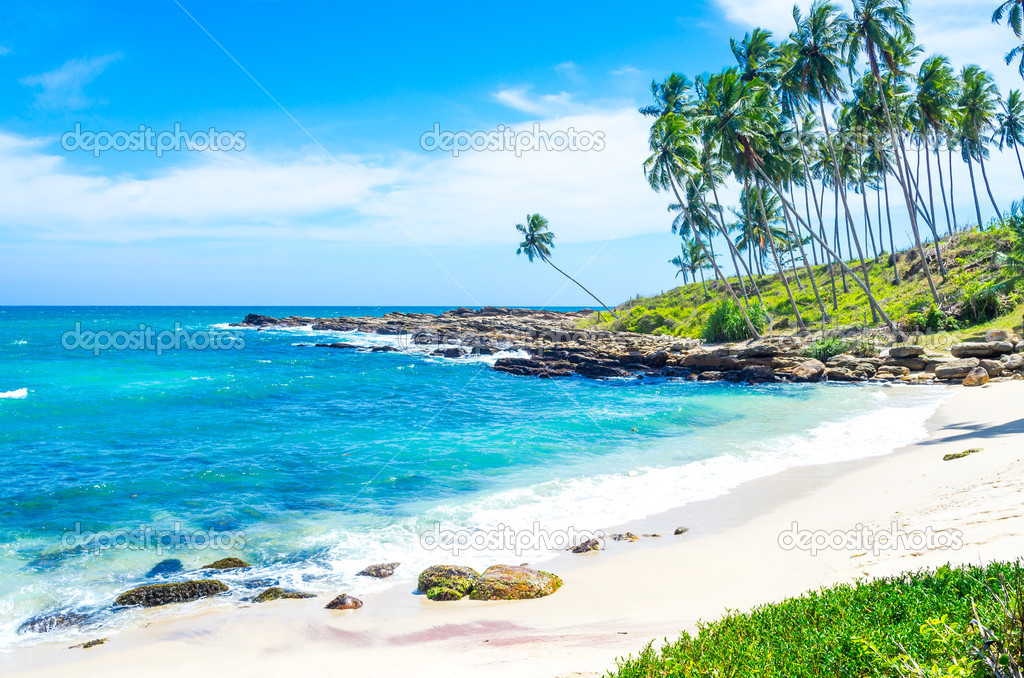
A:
x: 311, y: 463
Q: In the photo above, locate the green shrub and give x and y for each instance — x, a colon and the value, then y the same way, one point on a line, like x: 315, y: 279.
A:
x: 933, y: 319
x: 726, y: 323
x: 869, y: 628
x: 823, y: 349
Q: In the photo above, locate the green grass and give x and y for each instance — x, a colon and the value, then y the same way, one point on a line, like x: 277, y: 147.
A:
x: 684, y: 311
x: 845, y: 631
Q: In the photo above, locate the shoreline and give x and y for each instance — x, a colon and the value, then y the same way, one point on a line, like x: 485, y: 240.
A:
x: 616, y: 601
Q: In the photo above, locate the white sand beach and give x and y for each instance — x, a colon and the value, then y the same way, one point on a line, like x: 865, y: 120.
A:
x: 614, y: 602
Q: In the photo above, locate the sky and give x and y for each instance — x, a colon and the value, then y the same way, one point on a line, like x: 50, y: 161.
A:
x: 329, y: 189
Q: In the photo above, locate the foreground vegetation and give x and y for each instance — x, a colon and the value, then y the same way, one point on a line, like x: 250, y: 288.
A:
x: 917, y: 624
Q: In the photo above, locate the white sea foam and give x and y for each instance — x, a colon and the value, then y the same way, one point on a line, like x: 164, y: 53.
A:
x: 17, y: 394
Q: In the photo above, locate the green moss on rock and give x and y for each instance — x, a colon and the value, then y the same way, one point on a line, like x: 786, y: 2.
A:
x: 450, y: 581
x: 226, y: 564
x: 277, y: 593
x: 961, y: 455
x: 153, y: 595
x: 513, y: 582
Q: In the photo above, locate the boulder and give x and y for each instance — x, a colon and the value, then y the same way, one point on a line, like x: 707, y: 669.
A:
x: 277, y: 593
x: 337, y: 344
x: 906, y: 352
x: 681, y: 530
x: 976, y: 377
x: 1014, y: 363
x: 226, y: 564
x: 996, y: 335
x: 514, y: 582
x: 344, y: 602
x: 153, y: 595
x: 891, y: 371
x: 993, y: 367
x: 912, y: 364
x: 595, y: 370
x: 810, y: 370
x: 711, y: 376
x: 52, y: 621
x: 981, y: 349
x: 756, y: 374
x: 843, y: 374
x: 260, y: 320
x: 586, y: 546
x: 759, y: 351
x: 956, y: 369
x: 380, y: 571
x: 447, y: 582
x: 710, y: 362
x: 657, y: 359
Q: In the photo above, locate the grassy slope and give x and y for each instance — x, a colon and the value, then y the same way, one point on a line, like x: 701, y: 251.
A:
x: 683, y: 311
x: 819, y: 633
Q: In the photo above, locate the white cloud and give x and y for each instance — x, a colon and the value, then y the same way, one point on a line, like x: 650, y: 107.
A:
x: 436, y: 199
x: 521, y: 99
x: 63, y: 87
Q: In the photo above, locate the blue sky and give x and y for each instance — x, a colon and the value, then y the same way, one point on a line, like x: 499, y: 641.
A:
x: 332, y: 200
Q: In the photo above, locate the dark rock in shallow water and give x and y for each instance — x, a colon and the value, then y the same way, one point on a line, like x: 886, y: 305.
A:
x: 514, y: 582
x: 164, y: 594
x: 226, y: 564
x: 586, y: 546
x: 275, y: 593
x: 260, y: 320
x: 380, y: 571
x: 336, y: 344
x: 384, y: 349
x: 53, y: 621
x: 657, y: 359
x: 266, y: 582
x: 168, y: 566
x: 344, y: 602
x: 756, y: 374
x: 448, y: 580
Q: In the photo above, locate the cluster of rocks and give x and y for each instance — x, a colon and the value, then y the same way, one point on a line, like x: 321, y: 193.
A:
x: 498, y: 582
x: 557, y: 346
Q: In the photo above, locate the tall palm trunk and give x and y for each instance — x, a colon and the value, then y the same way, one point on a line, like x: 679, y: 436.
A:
x: 974, y: 189
x: 899, y: 168
x: 718, y: 272
x: 846, y: 206
x: 892, y: 239
x: 1016, y: 150
x: 807, y: 266
x: 775, y: 256
x: 720, y: 222
x: 988, y: 189
x: 952, y: 193
x: 839, y: 249
x: 861, y: 283
x: 932, y: 224
x: 942, y: 187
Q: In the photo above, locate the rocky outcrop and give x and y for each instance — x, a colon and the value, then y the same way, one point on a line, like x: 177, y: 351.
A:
x: 514, y: 582
x: 153, y: 595
x: 344, y: 602
x: 379, y: 571
x: 956, y: 369
x: 226, y: 564
x: 808, y: 371
x: 447, y: 582
x: 981, y: 349
x: 53, y: 621
x: 277, y: 593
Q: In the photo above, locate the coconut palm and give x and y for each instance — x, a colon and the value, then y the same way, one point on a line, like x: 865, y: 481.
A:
x: 934, y: 102
x: 882, y: 29
x: 538, y: 241
x: 1013, y: 11
x: 1010, y: 128
x: 978, y: 112
x: 690, y: 261
x: 670, y: 96
x: 674, y: 157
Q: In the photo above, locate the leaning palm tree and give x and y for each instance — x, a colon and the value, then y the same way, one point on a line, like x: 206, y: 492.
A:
x: 1010, y: 130
x: 690, y: 261
x: 978, y: 108
x: 538, y: 241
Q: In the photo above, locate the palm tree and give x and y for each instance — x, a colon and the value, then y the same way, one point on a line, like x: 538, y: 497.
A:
x: 538, y: 241
x: 934, y: 101
x: 977, y: 114
x: 881, y: 29
x: 1013, y: 10
x: 1010, y: 131
x: 674, y: 157
x: 670, y: 96
x: 691, y: 261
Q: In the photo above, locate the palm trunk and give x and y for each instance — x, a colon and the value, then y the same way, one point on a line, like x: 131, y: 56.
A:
x: 931, y: 223
x: 839, y: 248
x: 861, y: 283
x: 942, y: 187
x: 1019, y: 163
x: 892, y: 239
x: 720, y: 222
x: 807, y: 266
x: 899, y: 168
x: 775, y: 256
x: 549, y: 262
x: 974, y: 189
x: 988, y: 189
x: 952, y: 193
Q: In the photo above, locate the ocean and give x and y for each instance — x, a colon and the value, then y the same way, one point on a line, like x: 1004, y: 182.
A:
x: 311, y: 463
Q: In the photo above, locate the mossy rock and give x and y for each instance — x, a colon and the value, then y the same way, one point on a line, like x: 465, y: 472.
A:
x: 226, y: 564
x: 961, y: 455
x: 514, y: 582
x: 380, y: 570
x: 451, y: 581
x: 153, y: 595
x: 344, y: 602
x: 277, y: 593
